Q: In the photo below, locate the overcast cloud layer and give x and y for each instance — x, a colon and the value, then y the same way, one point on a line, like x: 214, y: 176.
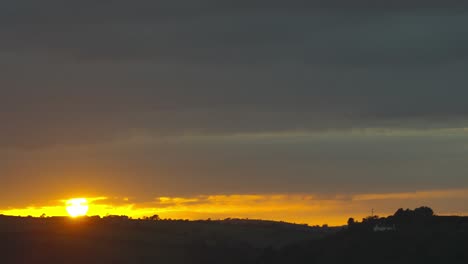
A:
x: 101, y: 72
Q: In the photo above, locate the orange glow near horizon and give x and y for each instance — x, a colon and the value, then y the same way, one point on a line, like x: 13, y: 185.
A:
x: 296, y: 208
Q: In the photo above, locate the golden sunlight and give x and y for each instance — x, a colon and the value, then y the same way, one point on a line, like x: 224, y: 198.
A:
x: 77, y: 207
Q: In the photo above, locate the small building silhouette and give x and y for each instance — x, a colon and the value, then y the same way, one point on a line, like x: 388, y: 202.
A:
x: 384, y: 228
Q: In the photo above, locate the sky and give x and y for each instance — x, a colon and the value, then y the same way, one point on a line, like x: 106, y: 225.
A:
x: 305, y: 111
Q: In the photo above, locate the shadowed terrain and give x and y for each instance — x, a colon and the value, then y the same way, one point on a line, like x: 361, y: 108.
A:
x: 406, y: 237
x: 122, y: 240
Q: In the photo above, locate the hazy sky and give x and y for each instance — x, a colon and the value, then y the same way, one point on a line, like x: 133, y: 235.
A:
x: 147, y: 99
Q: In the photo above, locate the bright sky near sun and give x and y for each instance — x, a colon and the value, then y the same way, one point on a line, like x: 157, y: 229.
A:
x: 77, y: 207
x: 310, y: 209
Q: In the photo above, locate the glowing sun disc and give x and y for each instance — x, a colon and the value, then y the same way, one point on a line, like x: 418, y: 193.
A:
x: 77, y: 207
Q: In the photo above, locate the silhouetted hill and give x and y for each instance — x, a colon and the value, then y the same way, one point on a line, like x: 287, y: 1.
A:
x: 121, y: 240
x: 409, y: 236
x: 401, y: 238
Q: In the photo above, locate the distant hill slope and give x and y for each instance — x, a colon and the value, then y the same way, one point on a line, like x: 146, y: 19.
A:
x: 410, y: 238
x: 121, y: 240
x: 406, y: 237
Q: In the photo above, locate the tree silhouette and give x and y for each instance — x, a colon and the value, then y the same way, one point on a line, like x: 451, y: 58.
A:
x: 155, y: 218
x: 423, y: 211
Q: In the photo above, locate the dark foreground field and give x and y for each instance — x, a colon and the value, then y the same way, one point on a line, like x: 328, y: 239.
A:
x: 427, y: 239
x: 120, y: 240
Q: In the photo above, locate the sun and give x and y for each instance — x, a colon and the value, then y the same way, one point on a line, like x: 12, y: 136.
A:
x: 77, y: 207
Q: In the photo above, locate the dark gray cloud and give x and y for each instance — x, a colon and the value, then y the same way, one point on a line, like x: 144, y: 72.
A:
x: 235, y: 33
x: 323, y: 165
x: 88, y: 71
